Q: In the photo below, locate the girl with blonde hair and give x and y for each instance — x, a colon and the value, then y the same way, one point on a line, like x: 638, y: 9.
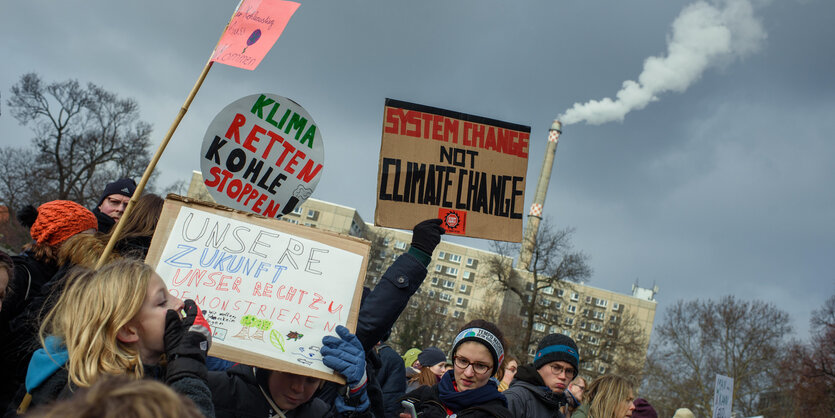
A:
x: 608, y: 396
x: 118, y: 320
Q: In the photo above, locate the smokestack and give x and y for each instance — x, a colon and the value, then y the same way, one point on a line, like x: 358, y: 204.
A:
x: 535, y: 214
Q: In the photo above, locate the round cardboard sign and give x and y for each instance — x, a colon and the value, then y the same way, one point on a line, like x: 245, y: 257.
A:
x: 263, y: 154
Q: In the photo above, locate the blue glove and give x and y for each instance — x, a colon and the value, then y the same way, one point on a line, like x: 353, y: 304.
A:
x: 346, y: 356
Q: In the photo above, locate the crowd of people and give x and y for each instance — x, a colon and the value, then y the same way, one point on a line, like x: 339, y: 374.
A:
x: 76, y: 341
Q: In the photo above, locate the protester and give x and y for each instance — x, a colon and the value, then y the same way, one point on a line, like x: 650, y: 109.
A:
x: 608, y: 396
x: 392, y: 378
x: 433, y: 366
x: 574, y: 395
x: 265, y: 391
x: 411, y: 362
x: 643, y: 409
x: 135, y: 238
x: 539, y: 388
x: 50, y: 226
x: 118, y: 320
x: 467, y: 390
x: 114, y: 199
x: 506, y: 372
x: 121, y: 397
x: 684, y: 413
x: 6, y: 271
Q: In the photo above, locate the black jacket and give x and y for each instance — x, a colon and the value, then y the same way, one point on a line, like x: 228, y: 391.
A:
x: 428, y: 405
x: 528, y: 396
x: 392, y: 378
x: 105, y: 221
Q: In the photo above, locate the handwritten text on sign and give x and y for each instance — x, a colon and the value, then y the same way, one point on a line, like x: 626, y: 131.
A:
x: 723, y: 395
x: 253, y: 30
x: 263, y: 154
x: 466, y: 169
x: 264, y: 291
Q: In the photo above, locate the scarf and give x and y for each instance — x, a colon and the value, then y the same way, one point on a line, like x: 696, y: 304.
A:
x: 456, y: 401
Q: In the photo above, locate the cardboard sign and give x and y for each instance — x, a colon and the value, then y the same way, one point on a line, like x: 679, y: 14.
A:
x: 269, y: 289
x: 253, y: 30
x: 723, y: 396
x: 467, y: 170
x: 263, y: 154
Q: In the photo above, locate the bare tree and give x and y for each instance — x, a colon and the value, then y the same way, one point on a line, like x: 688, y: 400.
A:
x: 84, y: 137
x: 553, y: 261
x: 699, y: 339
x: 424, y: 323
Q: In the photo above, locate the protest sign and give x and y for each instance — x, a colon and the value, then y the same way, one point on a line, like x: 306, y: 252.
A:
x: 467, y: 170
x: 263, y: 154
x: 270, y: 289
x: 723, y: 396
x: 253, y: 30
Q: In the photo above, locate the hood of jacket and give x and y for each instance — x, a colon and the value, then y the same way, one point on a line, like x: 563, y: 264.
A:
x: 45, y: 362
x: 528, y: 378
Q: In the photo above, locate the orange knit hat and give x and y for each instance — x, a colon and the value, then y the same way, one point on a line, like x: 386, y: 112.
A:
x: 60, y: 219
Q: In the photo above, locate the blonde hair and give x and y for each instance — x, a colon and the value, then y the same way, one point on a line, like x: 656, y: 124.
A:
x: 87, y: 317
x: 606, y: 394
x: 121, y: 397
x: 426, y: 377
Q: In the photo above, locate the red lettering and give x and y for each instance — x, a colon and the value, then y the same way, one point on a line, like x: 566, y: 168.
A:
x: 272, y: 209
x: 253, y: 137
x: 294, y: 160
x: 412, y: 118
x: 257, y: 206
x: 236, y: 283
x: 301, y: 295
x: 235, y: 126
x: 262, y: 310
x: 212, y: 280
x: 291, y: 292
x: 427, y: 124
x: 268, y: 290
x: 222, y: 285
x: 288, y: 148
x: 174, y: 280
x: 307, y: 174
x: 317, y: 298
x: 281, y: 314
x: 257, y: 290
x: 278, y: 292
x: 296, y: 318
x: 329, y: 327
x: 274, y: 137
x: 199, y: 301
x: 392, y: 125
x: 254, y: 193
x: 331, y: 309
x: 234, y: 188
x: 247, y: 189
x: 308, y: 321
x: 451, y: 130
x: 214, y: 171
x: 523, y: 142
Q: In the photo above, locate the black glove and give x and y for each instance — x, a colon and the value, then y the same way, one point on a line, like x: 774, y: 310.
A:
x: 186, y: 343
x: 426, y: 235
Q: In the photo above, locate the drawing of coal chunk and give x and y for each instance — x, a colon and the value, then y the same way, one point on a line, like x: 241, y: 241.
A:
x: 299, y: 195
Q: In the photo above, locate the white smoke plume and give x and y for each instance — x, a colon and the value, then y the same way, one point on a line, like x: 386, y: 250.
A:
x: 703, y: 35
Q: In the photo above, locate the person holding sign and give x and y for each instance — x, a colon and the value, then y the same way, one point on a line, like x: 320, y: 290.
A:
x: 245, y: 391
x: 118, y: 320
x: 467, y: 390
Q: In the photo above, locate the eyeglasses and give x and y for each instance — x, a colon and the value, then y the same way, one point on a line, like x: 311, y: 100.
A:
x: 479, y: 368
x: 558, y: 370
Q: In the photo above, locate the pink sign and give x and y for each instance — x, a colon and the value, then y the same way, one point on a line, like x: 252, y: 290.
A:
x: 253, y: 30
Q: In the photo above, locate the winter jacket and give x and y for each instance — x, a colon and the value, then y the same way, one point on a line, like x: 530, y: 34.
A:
x: 581, y: 412
x: 243, y: 391
x: 428, y: 404
x: 392, y: 378
x: 528, y: 396
x: 105, y: 221
x: 47, y: 380
x: 30, y: 277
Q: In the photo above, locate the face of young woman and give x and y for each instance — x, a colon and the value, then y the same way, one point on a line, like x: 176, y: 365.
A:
x: 439, y: 369
x: 473, y: 353
x: 150, y: 321
x: 291, y: 390
x: 510, y: 371
x: 626, y: 407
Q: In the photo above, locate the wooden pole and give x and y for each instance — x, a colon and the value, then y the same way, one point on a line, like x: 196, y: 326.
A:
x: 150, y: 169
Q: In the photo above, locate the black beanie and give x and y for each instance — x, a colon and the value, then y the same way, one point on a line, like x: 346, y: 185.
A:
x: 124, y: 187
x: 557, y: 347
x: 431, y: 356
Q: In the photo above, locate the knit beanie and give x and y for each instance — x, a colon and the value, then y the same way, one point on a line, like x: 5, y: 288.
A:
x: 60, y: 219
x: 557, y: 347
x: 486, y: 338
x: 124, y: 187
x: 410, y: 356
x: 431, y: 356
x: 684, y: 413
x: 643, y: 409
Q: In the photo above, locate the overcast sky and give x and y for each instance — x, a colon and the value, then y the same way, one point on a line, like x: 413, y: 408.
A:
x: 721, y: 185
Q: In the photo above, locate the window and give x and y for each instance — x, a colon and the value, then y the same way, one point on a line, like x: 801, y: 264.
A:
x: 435, y: 280
x: 553, y: 329
x: 462, y: 288
x: 452, y: 271
x: 309, y: 224
x: 601, y: 369
x: 431, y: 293
x: 595, y: 327
x: 531, y: 351
x: 530, y: 287
x: 613, y: 318
x: 459, y: 301
x: 572, y: 308
x: 538, y: 327
x: 548, y: 290
x: 441, y: 255
x: 468, y: 275
x: 560, y: 292
x: 599, y: 315
x: 602, y: 303
x: 449, y: 284
x: 445, y: 297
x: 441, y: 310
x: 583, y: 325
x: 609, y: 331
x: 574, y: 296
x: 615, y: 306
x: 593, y: 340
x: 312, y: 214
x: 470, y: 262
x: 585, y: 312
x: 569, y: 321
x: 545, y: 302
x: 297, y: 210
x: 400, y: 245
x: 588, y: 299
x: 567, y: 332
x: 456, y: 314
x: 557, y: 305
x: 438, y: 268
x: 292, y: 221
x: 455, y: 258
